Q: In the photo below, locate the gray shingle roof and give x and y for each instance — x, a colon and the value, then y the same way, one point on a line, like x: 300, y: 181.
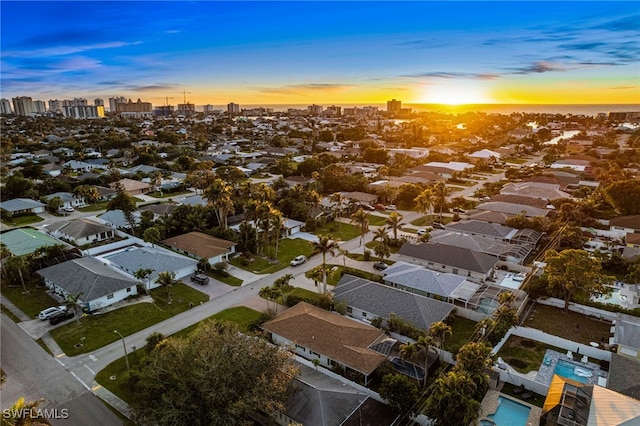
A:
x: 483, y: 228
x: 79, y: 228
x: 87, y: 275
x: 624, y: 376
x: 18, y: 204
x: 135, y: 258
x: 427, y: 281
x: 455, y: 257
x: 382, y: 300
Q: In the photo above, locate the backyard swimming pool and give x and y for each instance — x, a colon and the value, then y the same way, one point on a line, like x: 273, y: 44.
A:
x: 508, y: 413
x: 408, y: 369
x: 572, y: 371
x: 613, y: 298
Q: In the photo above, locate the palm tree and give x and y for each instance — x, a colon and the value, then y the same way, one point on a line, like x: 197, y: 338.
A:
x: 167, y: 279
x: 218, y: 195
x: 439, y: 330
x: 382, y: 249
x: 409, y: 352
x: 440, y: 196
x: 144, y: 274
x: 5, y: 253
x: 17, y: 264
x: 425, y: 201
x: 380, y: 233
x: 345, y: 252
x: 452, y: 399
x: 475, y: 360
x: 269, y: 294
x: 75, y: 303
x: 19, y: 414
x: 315, y: 274
x: 276, y: 223
x: 338, y: 201
x: 394, y: 222
x: 361, y: 219
x: 324, y: 245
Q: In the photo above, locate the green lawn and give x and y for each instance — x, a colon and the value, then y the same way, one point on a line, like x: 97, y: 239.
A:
x: 375, y: 220
x: 10, y: 314
x: 287, y: 250
x: 32, y: 303
x: 569, y: 325
x: 305, y: 294
x: 22, y: 220
x: 339, y: 231
x: 230, y: 280
x: 157, y: 194
x: 98, y: 329
x: 114, y: 376
x: 461, y: 330
x: 523, y: 354
x: 94, y: 207
x: 429, y: 219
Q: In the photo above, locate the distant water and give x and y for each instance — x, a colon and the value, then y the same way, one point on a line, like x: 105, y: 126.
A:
x: 565, y: 109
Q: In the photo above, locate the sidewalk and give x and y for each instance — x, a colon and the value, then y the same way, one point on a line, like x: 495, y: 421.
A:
x: 110, y: 398
x: 14, y: 309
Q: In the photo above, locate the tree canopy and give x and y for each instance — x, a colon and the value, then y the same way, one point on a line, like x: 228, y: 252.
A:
x: 216, y: 376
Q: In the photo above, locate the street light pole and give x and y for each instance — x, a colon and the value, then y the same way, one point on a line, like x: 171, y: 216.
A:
x: 126, y: 358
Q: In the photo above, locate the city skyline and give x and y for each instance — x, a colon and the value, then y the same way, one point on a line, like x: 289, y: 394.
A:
x: 318, y: 52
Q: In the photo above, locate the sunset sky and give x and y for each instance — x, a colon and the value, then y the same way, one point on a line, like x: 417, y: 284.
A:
x: 320, y: 52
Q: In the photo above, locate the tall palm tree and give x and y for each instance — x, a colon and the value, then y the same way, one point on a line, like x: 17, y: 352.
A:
x: 324, y: 245
x: 440, y: 196
x: 276, y: 223
x: 361, y: 219
x: 382, y: 249
x: 315, y: 274
x: 338, y: 200
x: 5, y: 253
x: 425, y: 201
x: 75, y: 303
x: 218, y: 195
x: 19, y: 414
x: 409, y: 352
x: 144, y: 274
x: 167, y: 279
x: 439, y: 330
x: 380, y: 233
x: 394, y: 221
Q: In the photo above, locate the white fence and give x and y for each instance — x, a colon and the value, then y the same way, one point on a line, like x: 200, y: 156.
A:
x: 581, y: 309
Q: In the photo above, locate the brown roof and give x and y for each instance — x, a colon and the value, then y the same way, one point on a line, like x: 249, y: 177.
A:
x: 633, y: 238
x: 160, y: 209
x: 199, y: 244
x: 131, y: 184
x: 631, y: 222
x: 339, y: 338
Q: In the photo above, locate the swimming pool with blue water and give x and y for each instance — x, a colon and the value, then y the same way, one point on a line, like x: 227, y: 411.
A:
x: 572, y: 371
x: 508, y: 413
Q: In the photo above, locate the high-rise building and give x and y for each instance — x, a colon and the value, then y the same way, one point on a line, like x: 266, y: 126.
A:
x: 315, y: 109
x: 394, y: 106
x: 333, y: 111
x: 187, y: 109
x: 98, y: 102
x: 5, y: 106
x: 233, y: 108
x: 114, y: 101
x: 83, y: 111
x: 208, y: 108
x: 23, y: 105
x: 164, y: 111
x: 55, y: 105
x: 136, y: 109
x: 39, y: 107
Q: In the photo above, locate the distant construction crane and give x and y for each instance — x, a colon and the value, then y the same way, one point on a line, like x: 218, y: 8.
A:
x: 166, y: 100
x: 185, y: 96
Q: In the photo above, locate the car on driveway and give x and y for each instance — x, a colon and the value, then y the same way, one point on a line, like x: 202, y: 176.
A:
x: 46, y: 313
x: 379, y: 207
x: 200, y: 278
x: 391, y: 207
x: 299, y: 260
x: 60, y: 316
x: 421, y: 231
x: 380, y: 266
x: 437, y: 225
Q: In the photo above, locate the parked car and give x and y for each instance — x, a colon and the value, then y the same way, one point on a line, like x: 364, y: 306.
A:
x: 437, y: 225
x: 298, y: 260
x: 69, y: 209
x: 380, y: 266
x: 457, y: 210
x: 367, y: 207
x: 200, y: 278
x: 391, y: 207
x: 60, y: 316
x: 421, y: 231
x: 379, y: 207
x: 46, y: 313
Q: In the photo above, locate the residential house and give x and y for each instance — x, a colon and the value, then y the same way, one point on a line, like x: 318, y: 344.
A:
x: 202, y: 246
x: 544, y: 191
x: 334, y: 340
x: 22, y: 206
x: 624, y: 375
x: 464, y: 262
x: 572, y: 403
x: 366, y: 300
x: 23, y: 241
x: 157, y: 259
x: 106, y: 194
x: 94, y: 283
x: 445, y: 170
x: 626, y: 335
x: 116, y: 219
x: 194, y: 200
x: 627, y: 224
x: 159, y: 210
x: 290, y: 227
x: 133, y: 187
x: 81, y: 231
x: 68, y: 199
x: 512, y: 209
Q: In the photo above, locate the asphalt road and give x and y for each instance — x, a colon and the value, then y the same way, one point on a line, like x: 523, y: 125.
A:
x: 32, y: 373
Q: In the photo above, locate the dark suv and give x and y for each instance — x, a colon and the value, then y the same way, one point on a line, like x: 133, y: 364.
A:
x: 58, y: 317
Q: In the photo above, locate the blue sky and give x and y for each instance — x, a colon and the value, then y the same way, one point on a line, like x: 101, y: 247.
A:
x: 323, y: 52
